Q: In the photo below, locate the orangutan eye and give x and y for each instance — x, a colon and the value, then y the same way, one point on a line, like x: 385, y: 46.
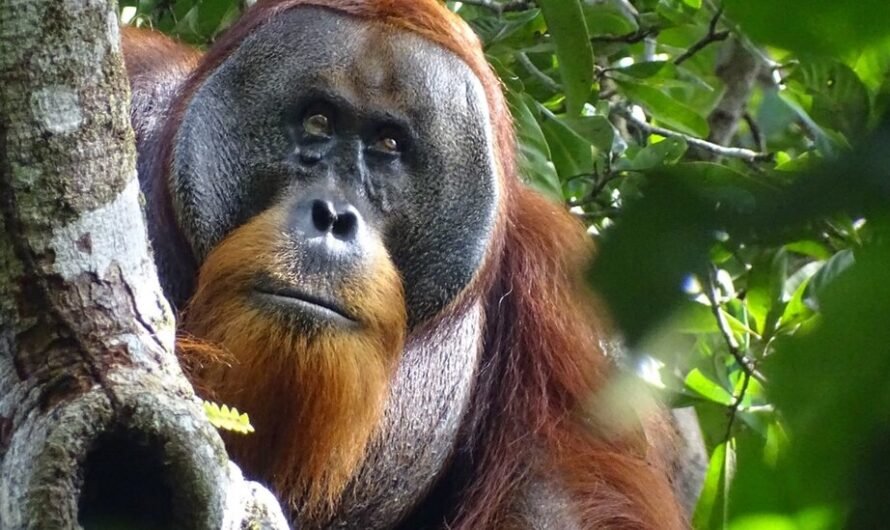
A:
x: 390, y: 140
x: 388, y: 145
x: 317, y: 124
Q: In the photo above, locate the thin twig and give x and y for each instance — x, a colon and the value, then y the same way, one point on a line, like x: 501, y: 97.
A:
x: 629, y: 38
x: 599, y: 182
x: 530, y: 67
x: 730, y: 152
x: 500, y: 8
x: 736, y: 405
x: 698, y: 46
x: 712, y: 26
x: 747, y: 365
x: 710, y: 37
x: 749, y: 370
x: 756, y: 135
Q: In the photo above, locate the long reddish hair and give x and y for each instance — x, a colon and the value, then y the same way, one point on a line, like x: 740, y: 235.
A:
x: 543, y: 358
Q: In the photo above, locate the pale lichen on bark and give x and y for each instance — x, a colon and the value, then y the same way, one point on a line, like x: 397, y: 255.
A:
x: 99, y: 244
x: 57, y: 109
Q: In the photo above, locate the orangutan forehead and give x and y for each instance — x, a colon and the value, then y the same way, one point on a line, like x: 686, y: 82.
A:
x: 367, y: 61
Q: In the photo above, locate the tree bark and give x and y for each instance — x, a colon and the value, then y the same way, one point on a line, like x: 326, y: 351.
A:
x: 738, y: 68
x: 97, y: 423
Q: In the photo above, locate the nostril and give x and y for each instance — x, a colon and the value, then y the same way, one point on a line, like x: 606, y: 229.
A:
x: 310, y: 157
x: 346, y: 224
x: 323, y: 215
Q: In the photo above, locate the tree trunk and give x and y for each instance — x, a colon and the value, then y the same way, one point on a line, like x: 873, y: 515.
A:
x: 98, y: 426
x: 738, y: 68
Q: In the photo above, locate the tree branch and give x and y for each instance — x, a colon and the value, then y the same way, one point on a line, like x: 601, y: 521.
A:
x: 736, y: 405
x: 730, y: 152
x: 739, y: 69
x: 756, y: 135
x: 747, y: 365
x: 710, y: 37
x: 749, y: 369
x: 628, y: 38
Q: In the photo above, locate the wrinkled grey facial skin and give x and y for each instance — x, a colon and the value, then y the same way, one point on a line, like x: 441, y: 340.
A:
x: 244, y: 144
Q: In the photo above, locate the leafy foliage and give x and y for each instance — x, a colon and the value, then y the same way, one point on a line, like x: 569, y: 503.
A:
x: 744, y: 272
x: 193, y: 21
x: 732, y: 161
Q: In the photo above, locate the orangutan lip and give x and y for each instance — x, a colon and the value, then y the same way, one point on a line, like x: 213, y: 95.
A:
x: 317, y: 306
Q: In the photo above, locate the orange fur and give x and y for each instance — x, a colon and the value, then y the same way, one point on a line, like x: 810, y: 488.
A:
x: 545, y: 365
x: 314, y: 397
x: 149, y: 52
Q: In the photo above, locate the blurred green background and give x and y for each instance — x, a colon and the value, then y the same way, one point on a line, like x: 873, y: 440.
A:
x: 733, y: 162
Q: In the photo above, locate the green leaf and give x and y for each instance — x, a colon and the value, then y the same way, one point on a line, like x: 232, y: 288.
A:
x: 710, y: 512
x: 187, y: 24
x: 706, y: 388
x: 695, y: 318
x: 513, y: 29
x: 873, y: 65
x: 730, y: 193
x: 565, y: 21
x: 813, y: 26
x: 212, y: 14
x: 766, y: 281
x: 647, y: 69
x: 604, y: 19
x: 665, y: 152
x: 762, y: 521
x: 534, y: 152
x: 828, y: 142
x: 830, y: 385
x: 840, y: 99
x: 796, y: 311
x: 665, y: 109
x: 809, y: 247
x: 647, y: 256
x: 597, y: 130
x: 571, y: 153
x: 828, y: 273
x: 676, y: 12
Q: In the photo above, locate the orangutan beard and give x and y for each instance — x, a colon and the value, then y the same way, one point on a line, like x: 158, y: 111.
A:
x: 315, y: 394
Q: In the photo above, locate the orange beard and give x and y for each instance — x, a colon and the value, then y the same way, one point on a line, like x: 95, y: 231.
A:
x: 315, y: 398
